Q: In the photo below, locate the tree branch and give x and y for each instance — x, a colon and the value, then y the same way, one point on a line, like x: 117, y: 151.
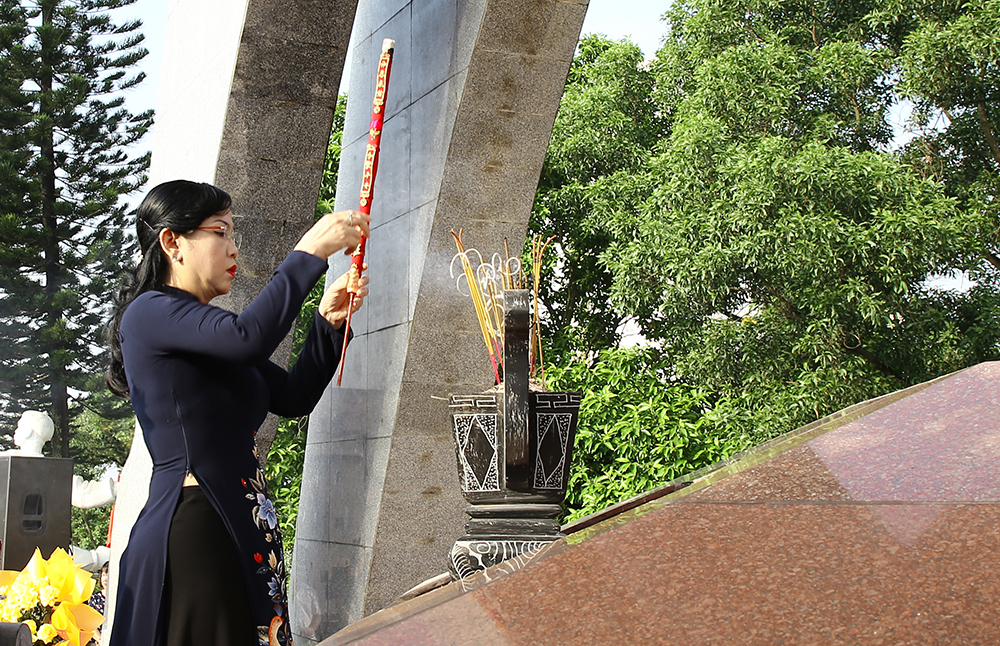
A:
x: 789, y: 310
x: 873, y: 360
x: 984, y: 123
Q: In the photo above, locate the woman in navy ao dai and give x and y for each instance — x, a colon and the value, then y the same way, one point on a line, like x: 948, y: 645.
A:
x: 201, y: 383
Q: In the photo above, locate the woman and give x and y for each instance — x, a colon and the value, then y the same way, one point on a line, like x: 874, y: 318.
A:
x: 204, y: 562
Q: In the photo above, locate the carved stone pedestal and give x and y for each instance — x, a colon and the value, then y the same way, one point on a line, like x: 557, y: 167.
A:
x: 512, y: 511
x: 499, y: 532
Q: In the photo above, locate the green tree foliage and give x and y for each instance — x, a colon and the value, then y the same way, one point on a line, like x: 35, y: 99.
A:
x: 637, y: 429
x: 63, y: 168
x: 287, y: 455
x: 286, y: 458
x: 606, y: 125
x: 776, y: 251
x: 783, y: 255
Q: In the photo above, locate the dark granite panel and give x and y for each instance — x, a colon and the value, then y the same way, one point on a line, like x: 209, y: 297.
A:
x: 274, y: 139
x: 352, y: 155
x: 421, y: 227
x: 342, y: 414
x: 448, y: 30
x: 324, y: 582
x: 435, y: 115
x: 373, y: 14
x: 779, y: 573
x: 939, y: 444
x: 474, y: 626
x: 306, y: 22
x: 338, y: 512
x: 794, y: 475
x: 392, y: 184
x: 253, y: 197
x: 359, y: 101
x: 434, y: 51
x: 383, y: 351
x: 355, y: 372
x: 546, y: 28
x: 747, y: 574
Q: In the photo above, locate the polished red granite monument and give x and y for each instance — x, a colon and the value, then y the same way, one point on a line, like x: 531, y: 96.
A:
x: 877, y: 525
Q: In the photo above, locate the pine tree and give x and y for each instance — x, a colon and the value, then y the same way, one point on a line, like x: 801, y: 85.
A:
x: 64, y: 169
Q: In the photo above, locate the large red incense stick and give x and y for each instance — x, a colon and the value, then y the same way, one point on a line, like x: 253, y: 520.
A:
x: 368, y: 182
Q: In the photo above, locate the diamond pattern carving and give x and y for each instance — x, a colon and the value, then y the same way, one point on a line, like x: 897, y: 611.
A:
x: 476, y: 437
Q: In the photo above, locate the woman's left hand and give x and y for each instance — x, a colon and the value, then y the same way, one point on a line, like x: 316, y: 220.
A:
x: 336, y: 300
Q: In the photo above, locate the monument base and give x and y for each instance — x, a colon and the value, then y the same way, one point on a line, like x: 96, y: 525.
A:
x: 501, y: 531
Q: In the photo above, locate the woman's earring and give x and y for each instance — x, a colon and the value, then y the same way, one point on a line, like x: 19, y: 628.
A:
x: 174, y: 259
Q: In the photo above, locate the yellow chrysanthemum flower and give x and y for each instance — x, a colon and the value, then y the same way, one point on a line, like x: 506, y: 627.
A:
x: 47, y: 633
x: 48, y: 595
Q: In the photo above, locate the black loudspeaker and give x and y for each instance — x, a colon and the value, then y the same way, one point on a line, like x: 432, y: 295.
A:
x: 14, y: 635
x: 35, y: 495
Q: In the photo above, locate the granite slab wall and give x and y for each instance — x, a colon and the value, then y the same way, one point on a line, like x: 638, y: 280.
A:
x: 473, y: 94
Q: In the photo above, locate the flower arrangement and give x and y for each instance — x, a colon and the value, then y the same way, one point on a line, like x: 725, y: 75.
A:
x: 49, y: 597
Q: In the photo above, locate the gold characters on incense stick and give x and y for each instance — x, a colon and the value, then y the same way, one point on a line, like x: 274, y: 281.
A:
x: 484, y: 282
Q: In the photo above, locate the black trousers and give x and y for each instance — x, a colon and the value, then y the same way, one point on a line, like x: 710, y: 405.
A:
x: 205, y: 597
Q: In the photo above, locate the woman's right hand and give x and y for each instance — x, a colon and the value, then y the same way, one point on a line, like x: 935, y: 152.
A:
x: 333, y: 232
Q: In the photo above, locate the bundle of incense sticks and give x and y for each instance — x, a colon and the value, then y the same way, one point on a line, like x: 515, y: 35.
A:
x: 486, y: 283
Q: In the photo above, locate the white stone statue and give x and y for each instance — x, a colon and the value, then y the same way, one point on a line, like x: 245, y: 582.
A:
x: 90, y: 560
x: 34, y: 429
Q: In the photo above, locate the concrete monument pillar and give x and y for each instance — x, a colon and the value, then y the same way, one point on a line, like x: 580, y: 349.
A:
x: 474, y: 92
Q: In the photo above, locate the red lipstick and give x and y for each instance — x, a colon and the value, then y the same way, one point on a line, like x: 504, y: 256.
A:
x: 232, y: 271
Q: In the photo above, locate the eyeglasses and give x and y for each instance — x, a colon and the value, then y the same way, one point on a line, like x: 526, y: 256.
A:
x: 227, y: 231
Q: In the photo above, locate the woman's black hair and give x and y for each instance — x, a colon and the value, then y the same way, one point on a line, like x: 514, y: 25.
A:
x: 179, y: 206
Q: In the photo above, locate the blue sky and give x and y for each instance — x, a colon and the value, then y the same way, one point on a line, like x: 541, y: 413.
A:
x: 638, y: 20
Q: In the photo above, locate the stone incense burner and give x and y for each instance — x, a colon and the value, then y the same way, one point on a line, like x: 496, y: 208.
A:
x: 514, y: 448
